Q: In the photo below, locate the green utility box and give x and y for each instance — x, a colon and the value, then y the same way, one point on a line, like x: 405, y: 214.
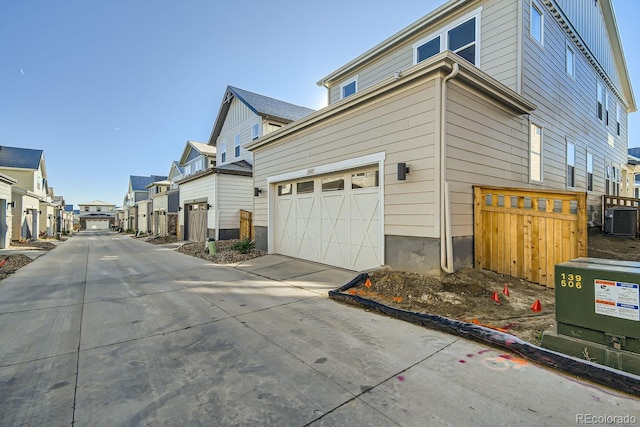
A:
x: 597, y: 312
x: 598, y: 300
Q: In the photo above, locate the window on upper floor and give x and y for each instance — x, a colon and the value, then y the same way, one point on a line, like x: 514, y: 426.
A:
x: 535, y: 153
x: 255, y: 131
x: 571, y: 165
x: 223, y: 152
x: 349, y: 87
x: 600, y: 98
x: 618, y: 118
x: 99, y: 208
x: 570, y: 61
x: 536, y: 28
x: 236, y: 146
x: 606, y: 108
x: 589, y: 172
x: 462, y: 37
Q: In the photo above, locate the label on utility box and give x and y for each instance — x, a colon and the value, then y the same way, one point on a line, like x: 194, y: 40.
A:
x: 617, y: 299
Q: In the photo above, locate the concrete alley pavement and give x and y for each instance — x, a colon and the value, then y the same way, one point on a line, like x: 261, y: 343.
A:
x: 106, y: 330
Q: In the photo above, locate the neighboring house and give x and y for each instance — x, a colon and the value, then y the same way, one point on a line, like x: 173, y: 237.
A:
x: 143, y: 210
x: 137, y: 192
x: 211, y: 201
x: 71, y: 219
x: 47, y: 214
x: 6, y: 210
x: 631, y: 174
x: 511, y: 93
x: 27, y: 167
x: 97, y: 215
x: 158, y: 221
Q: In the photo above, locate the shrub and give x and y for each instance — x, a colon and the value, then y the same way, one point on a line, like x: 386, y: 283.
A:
x: 243, y: 246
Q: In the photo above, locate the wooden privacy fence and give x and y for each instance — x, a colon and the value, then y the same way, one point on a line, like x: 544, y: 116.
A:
x: 524, y: 233
x: 246, y: 225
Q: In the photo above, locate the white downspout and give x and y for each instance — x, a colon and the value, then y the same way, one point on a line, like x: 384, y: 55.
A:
x: 446, y: 240
x: 216, y: 212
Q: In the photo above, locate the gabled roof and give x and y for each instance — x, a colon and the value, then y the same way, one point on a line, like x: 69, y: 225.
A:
x: 96, y: 203
x: 159, y: 183
x: 139, y: 183
x: 200, y: 147
x: 22, y: 158
x: 263, y: 106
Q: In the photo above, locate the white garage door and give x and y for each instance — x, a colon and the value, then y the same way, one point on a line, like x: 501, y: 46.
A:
x: 333, y: 219
x: 97, y: 224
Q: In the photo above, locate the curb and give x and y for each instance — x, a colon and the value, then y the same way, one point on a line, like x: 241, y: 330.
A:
x: 604, y: 375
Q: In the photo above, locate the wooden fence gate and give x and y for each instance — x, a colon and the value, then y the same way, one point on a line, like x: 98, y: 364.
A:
x: 197, y: 222
x: 524, y: 233
x: 246, y: 225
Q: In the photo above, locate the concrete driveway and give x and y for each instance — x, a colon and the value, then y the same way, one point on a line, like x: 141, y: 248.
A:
x: 109, y: 330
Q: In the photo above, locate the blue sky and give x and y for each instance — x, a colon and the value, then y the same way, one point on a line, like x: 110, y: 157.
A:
x: 112, y: 88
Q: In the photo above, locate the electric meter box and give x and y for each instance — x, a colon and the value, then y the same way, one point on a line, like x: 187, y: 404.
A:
x: 598, y: 300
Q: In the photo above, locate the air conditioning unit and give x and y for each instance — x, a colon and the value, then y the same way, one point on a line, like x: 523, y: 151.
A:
x: 621, y: 221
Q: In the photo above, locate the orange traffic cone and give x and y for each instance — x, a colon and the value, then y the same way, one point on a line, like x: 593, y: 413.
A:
x: 536, y: 307
x: 506, y: 289
x: 496, y: 298
x: 367, y: 283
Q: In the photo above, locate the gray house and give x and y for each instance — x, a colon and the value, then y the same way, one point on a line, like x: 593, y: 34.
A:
x: 509, y: 93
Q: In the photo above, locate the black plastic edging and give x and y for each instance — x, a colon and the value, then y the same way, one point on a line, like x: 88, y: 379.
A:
x: 610, y: 377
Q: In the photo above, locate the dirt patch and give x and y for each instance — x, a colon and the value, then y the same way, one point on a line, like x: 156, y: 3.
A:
x: 161, y: 240
x: 41, y: 245
x: 12, y: 263
x: 224, y: 255
x: 468, y: 294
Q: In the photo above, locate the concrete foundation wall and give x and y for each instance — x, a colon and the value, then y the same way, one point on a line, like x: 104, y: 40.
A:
x: 261, y: 237
x: 418, y: 254
x: 229, y: 233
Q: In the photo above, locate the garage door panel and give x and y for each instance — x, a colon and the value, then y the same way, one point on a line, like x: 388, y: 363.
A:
x: 338, y: 226
x: 335, y: 253
x: 98, y: 224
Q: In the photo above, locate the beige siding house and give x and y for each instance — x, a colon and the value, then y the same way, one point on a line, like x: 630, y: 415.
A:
x: 494, y: 92
x: 7, y: 207
x: 97, y: 215
x: 211, y: 200
x: 27, y: 167
x: 159, y: 205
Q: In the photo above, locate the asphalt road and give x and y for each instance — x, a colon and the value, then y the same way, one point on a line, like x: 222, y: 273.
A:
x: 107, y: 330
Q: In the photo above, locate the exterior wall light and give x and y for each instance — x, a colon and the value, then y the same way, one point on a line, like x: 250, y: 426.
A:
x: 403, y: 170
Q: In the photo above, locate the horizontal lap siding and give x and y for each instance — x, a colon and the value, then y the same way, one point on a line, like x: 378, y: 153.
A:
x: 234, y: 193
x: 160, y: 203
x: 198, y: 189
x: 499, y: 38
x: 239, y: 120
x: 486, y: 145
x: 400, y: 124
x: 499, y: 19
x: 567, y: 108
